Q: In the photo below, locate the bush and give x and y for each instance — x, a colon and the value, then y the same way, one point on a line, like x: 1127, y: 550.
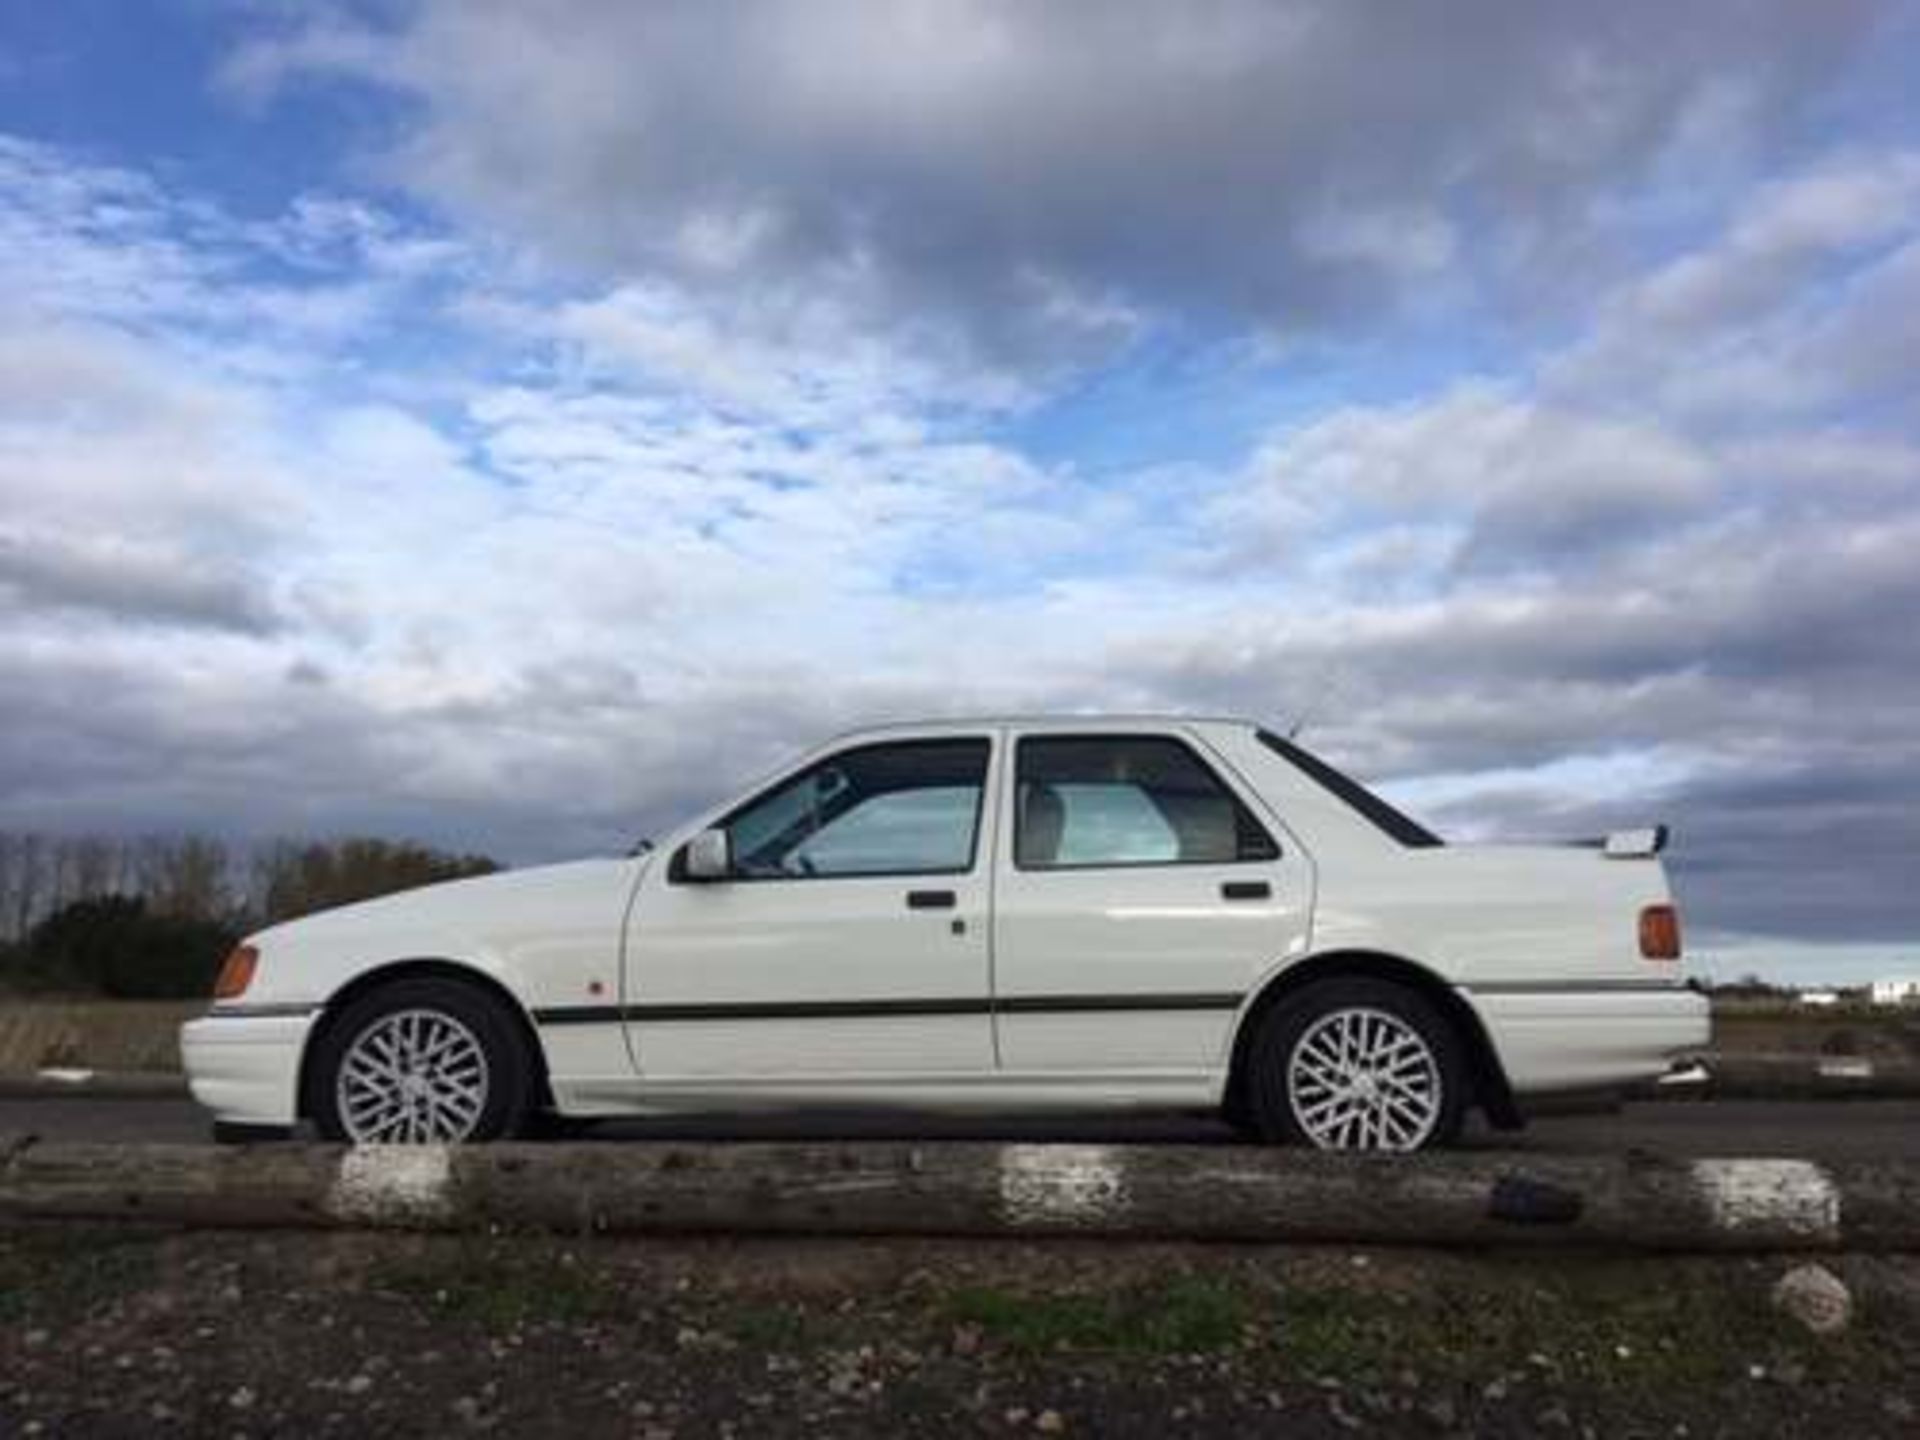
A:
x: 113, y: 945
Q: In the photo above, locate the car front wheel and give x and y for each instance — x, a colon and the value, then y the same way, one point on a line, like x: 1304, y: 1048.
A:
x: 1358, y: 1064
x: 421, y: 1062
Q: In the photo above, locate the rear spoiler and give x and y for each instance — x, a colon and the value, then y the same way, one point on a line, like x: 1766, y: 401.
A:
x: 1635, y: 844
x: 1641, y: 844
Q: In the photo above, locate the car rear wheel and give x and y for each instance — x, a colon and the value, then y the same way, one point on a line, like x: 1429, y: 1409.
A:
x: 422, y: 1062
x: 1358, y: 1064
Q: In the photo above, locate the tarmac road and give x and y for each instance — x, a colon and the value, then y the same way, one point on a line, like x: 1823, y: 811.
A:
x: 1815, y: 1130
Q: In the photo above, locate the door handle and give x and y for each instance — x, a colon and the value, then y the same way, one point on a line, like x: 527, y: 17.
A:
x: 931, y: 899
x: 1246, y: 890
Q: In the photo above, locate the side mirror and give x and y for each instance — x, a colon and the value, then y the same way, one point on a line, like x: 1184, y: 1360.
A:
x: 709, y: 856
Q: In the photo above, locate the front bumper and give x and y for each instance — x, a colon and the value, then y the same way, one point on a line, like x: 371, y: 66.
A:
x: 1569, y: 1038
x: 245, y: 1067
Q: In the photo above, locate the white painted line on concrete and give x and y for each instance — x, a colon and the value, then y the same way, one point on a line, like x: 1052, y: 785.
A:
x: 393, y: 1184
x: 1791, y: 1198
x: 64, y: 1075
x: 1063, y: 1185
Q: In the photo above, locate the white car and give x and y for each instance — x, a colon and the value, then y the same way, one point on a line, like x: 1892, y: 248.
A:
x: 1060, y: 914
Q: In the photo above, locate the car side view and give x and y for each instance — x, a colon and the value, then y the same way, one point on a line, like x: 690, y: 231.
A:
x: 994, y: 915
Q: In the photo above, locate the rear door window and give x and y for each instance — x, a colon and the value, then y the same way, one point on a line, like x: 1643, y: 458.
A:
x: 1120, y: 800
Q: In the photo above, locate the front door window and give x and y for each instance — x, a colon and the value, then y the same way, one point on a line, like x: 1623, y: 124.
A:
x: 911, y: 808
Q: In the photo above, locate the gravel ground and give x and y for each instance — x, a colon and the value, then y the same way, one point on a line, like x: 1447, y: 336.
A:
x: 129, y: 1332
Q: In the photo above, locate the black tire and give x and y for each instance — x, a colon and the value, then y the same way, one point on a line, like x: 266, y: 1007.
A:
x: 1268, y: 1087
x: 508, y: 1108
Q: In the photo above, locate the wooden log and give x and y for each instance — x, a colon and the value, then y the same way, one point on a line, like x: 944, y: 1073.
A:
x: 982, y: 1189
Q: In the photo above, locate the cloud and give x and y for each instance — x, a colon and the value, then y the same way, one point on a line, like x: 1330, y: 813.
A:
x: 1516, y: 484
x: 1238, y: 163
x: 139, y: 586
x: 1794, y: 308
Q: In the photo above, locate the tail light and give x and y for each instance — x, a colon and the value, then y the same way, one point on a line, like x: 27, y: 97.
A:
x: 1660, y: 932
x: 236, y: 973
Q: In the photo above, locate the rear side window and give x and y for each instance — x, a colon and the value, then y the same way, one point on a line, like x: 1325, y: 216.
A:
x: 1126, y: 800
x: 1401, y: 826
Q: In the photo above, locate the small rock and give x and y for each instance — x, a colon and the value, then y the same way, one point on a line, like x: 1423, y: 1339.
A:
x: 1052, y: 1422
x: 359, y: 1384
x: 1899, y: 1407
x: 1441, y: 1413
x: 242, y: 1398
x: 1554, y: 1417
x: 1017, y: 1415
x: 34, y: 1338
x: 966, y: 1339
x: 1816, y: 1297
x: 1495, y: 1390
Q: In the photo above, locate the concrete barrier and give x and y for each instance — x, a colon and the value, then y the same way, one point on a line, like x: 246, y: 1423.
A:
x: 977, y: 1189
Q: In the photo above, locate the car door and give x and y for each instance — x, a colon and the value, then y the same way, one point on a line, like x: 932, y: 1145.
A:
x: 1138, y: 897
x: 850, y: 943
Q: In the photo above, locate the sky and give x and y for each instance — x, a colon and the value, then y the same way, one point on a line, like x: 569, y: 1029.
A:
x: 514, y: 424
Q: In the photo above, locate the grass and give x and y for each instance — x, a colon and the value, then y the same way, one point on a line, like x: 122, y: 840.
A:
x: 1633, y: 1330
x: 1186, y: 1313
x: 1594, y: 1324
x: 496, y: 1291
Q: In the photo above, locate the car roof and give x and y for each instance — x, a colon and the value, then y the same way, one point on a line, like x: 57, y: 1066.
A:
x: 1055, y: 721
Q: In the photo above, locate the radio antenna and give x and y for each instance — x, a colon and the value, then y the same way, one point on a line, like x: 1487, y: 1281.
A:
x: 1317, y: 700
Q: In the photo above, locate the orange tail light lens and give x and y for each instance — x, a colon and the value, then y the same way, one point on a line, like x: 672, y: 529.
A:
x: 1660, y: 932
x: 236, y: 974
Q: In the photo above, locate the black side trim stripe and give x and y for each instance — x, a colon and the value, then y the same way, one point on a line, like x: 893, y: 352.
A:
x: 836, y: 1009
x: 1055, y: 1004
x: 261, y: 1011
x: 1568, y: 987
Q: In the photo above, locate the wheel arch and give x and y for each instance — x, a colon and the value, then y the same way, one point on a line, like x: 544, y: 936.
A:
x: 428, y: 967
x: 1491, y: 1091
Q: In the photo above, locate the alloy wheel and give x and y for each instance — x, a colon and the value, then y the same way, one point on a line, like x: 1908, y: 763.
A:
x: 1361, y: 1078
x: 412, y: 1077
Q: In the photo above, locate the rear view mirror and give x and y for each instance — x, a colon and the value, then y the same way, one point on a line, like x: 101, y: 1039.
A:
x: 709, y: 856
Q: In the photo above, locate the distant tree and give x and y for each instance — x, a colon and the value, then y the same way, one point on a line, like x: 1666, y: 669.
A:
x: 292, y: 879
x: 186, y: 876
x: 114, y: 945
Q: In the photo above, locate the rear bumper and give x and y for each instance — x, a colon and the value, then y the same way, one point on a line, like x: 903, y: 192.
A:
x: 1570, y: 1038
x: 246, y: 1068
